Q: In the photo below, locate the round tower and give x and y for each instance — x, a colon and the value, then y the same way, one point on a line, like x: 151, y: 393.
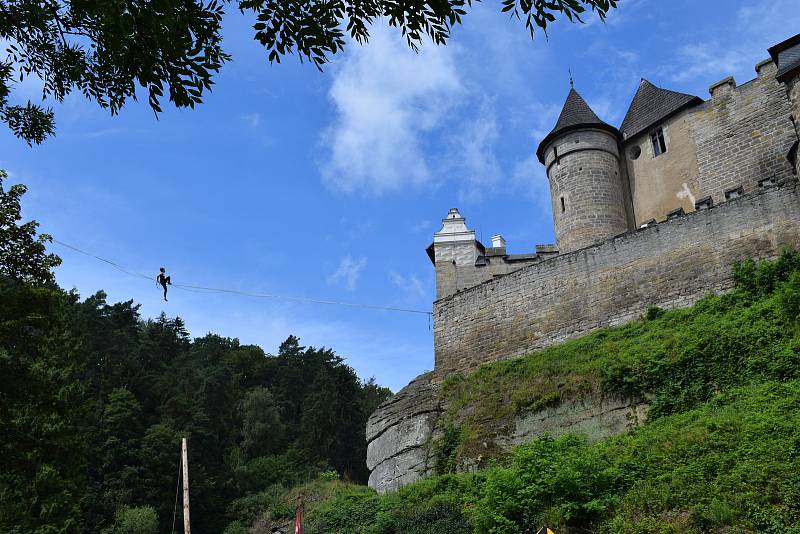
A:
x: 583, y: 167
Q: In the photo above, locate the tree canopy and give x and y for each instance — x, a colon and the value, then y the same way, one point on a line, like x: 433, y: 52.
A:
x: 112, y: 51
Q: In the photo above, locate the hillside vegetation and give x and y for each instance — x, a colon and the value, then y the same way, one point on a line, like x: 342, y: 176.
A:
x: 720, y: 451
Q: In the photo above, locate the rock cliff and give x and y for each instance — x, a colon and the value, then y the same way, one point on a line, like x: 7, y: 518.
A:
x: 399, y: 435
x: 402, y: 432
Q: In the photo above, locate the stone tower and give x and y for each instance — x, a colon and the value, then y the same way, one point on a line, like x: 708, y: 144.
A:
x: 582, y: 159
x: 454, y: 252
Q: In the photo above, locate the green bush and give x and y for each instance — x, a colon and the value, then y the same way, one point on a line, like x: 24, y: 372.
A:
x: 329, y: 475
x: 562, y: 480
x: 272, y: 501
x: 134, y: 520
x: 351, y: 509
x: 442, y: 515
x: 445, y: 450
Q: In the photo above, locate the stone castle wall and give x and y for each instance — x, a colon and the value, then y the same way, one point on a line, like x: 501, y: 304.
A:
x: 794, y: 98
x: 456, y: 269
x: 669, y: 181
x: 669, y: 265
x: 743, y: 134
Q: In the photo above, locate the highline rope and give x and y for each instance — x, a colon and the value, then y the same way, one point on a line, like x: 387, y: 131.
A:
x: 207, y: 290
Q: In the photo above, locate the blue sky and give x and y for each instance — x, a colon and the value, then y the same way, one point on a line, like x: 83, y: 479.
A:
x: 330, y: 185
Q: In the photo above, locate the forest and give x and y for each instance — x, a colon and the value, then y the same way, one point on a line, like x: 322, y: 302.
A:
x: 94, y: 401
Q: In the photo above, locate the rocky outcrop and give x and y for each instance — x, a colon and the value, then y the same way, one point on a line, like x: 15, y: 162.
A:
x: 597, y: 418
x: 399, y: 435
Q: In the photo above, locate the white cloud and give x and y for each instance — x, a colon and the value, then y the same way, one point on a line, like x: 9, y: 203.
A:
x: 756, y: 27
x: 105, y: 132
x: 471, y: 160
x: 410, y: 285
x: 252, y: 119
x: 530, y: 177
x: 421, y: 226
x: 773, y: 20
x: 544, y: 119
x: 348, y: 272
x: 386, y: 97
x: 708, y: 61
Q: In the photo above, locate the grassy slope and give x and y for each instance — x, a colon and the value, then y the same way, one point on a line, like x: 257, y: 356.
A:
x: 721, y: 452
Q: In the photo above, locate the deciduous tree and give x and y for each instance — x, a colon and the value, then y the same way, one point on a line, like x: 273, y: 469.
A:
x: 107, y: 50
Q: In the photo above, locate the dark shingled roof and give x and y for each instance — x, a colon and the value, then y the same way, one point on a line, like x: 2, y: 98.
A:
x: 787, y: 57
x: 652, y: 105
x: 575, y: 114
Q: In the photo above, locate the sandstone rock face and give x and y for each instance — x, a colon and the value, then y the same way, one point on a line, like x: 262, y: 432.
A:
x: 399, y: 435
x: 596, y: 418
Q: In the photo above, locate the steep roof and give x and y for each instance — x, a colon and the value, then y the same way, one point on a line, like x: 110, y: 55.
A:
x: 787, y: 56
x: 652, y: 105
x: 575, y: 114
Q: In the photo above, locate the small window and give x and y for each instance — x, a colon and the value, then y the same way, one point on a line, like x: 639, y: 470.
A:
x: 635, y: 153
x: 555, y: 152
x: 563, y: 205
x: 659, y: 144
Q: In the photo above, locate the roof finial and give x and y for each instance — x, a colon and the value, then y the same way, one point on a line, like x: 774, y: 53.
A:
x: 571, y: 82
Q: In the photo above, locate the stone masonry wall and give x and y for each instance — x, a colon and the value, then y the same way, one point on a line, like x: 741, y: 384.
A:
x: 456, y: 270
x: 455, y: 267
x: 660, y: 184
x: 671, y: 264
x: 794, y: 97
x: 585, y: 188
x: 743, y: 134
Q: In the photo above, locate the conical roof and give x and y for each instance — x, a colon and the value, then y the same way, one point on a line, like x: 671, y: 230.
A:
x: 652, y: 105
x: 575, y: 114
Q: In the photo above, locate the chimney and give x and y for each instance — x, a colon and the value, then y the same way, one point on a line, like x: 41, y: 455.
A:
x: 498, y: 247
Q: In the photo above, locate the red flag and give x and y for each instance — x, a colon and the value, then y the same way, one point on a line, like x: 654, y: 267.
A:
x: 298, y: 519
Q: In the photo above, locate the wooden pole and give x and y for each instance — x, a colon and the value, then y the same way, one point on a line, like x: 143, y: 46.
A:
x: 185, y: 463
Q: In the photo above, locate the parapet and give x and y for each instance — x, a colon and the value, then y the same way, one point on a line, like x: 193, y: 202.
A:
x: 722, y: 87
x: 766, y: 68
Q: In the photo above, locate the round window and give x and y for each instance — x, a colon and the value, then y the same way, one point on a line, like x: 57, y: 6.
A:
x: 635, y: 152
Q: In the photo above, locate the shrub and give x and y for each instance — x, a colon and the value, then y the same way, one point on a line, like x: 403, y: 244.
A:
x: 442, y: 515
x: 329, y: 476
x: 653, y: 313
x: 445, y: 450
x: 134, y: 520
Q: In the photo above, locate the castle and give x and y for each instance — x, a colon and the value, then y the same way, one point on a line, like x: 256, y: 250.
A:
x: 625, y: 203
x: 652, y: 213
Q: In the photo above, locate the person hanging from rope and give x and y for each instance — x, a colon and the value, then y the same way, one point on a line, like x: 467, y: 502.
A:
x: 163, y: 280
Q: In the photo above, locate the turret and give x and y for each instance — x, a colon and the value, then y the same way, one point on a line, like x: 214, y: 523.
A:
x: 581, y: 155
x: 454, y: 252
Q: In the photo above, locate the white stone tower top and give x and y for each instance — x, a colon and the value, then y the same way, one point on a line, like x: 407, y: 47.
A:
x: 454, y: 228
